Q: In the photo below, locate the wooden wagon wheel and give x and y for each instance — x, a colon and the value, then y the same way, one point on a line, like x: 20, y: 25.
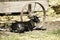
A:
x: 35, y: 8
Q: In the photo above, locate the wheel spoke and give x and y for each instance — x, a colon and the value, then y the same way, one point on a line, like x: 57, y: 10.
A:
x: 37, y: 9
x: 34, y: 6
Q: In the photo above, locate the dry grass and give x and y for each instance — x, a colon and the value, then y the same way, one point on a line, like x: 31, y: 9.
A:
x: 52, y: 33
x: 34, y: 35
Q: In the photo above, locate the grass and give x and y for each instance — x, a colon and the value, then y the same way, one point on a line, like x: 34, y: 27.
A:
x: 34, y: 35
x: 56, y: 32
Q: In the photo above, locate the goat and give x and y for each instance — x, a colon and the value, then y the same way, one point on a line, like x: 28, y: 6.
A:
x: 24, y: 26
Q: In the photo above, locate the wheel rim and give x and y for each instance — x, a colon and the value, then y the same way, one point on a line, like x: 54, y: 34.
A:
x: 42, y: 17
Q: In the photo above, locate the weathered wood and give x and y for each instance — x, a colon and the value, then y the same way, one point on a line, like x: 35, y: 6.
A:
x: 16, y: 6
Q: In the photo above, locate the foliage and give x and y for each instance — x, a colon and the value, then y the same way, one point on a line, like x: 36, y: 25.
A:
x: 54, y: 2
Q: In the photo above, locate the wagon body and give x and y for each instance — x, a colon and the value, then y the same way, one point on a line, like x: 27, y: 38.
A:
x: 16, y: 6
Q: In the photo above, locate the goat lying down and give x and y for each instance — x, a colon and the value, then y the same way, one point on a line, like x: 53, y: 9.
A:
x: 24, y: 26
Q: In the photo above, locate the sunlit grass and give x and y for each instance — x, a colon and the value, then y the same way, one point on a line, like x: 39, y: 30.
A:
x: 56, y: 32
x: 34, y: 35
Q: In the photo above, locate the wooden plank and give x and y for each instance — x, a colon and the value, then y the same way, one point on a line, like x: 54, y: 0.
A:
x: 18, y: 5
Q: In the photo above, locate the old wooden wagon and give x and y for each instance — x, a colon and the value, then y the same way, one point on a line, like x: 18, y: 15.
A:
x: 24, y: 7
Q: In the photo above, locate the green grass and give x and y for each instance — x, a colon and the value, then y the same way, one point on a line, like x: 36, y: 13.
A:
x: 56, y: 32
x: 34, y: 35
